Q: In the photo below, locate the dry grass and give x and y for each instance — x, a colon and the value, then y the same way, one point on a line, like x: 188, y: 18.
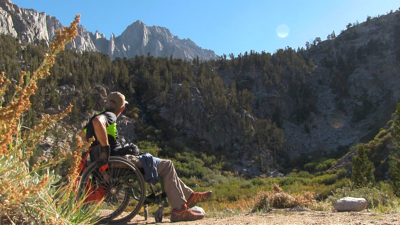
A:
x: 26, y: 194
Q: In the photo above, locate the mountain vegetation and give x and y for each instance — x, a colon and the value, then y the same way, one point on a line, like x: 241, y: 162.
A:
x: 27, y: 192
x: 321, y: 114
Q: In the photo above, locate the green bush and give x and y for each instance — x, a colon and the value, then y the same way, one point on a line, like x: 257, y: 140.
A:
x: 328, y: 190
x: 378, y: 197
x: 292, y: 180
x: 258, y: 181
x: 341, y: 173
x: 326, y: 179
x: 310, y: 166
x: 303, y: 174
x: 150, y: 147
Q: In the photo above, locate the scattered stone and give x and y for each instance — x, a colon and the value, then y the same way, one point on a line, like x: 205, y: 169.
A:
x: 229, y: 211
x: 298, y: 209
x: 350, y: 204
x: 51, y: 111
x: 276, y: 174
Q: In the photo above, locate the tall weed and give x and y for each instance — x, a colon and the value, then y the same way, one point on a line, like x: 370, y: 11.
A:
x: 26, y: 192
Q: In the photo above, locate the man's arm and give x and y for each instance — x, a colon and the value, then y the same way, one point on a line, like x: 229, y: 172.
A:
x: 100, y: 124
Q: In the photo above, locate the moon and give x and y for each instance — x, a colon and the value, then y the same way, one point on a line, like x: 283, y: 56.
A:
x: 282, y: 30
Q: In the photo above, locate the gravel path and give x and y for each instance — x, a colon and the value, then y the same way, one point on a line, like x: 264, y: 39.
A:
x: 285, y: 217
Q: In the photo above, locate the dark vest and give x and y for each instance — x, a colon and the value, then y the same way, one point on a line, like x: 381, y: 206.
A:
x: 111, y: 128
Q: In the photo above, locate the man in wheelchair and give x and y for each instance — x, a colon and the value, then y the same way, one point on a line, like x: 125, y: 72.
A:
x: 103, y: 126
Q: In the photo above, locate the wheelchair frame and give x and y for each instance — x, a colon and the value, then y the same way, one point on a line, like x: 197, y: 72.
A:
x: 119, y: 182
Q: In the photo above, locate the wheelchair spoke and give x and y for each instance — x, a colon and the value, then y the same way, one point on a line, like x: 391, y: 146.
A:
x: 121, y: 186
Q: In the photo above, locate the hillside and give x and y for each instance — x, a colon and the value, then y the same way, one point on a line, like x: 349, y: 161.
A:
x: 249, y: 114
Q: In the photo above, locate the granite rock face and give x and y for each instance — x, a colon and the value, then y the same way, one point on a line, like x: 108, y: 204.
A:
x: 28, y: 23
x: 138, y: 39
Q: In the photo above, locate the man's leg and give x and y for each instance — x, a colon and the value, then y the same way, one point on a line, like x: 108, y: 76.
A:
x: 177, y: 192
x: 135, y: 160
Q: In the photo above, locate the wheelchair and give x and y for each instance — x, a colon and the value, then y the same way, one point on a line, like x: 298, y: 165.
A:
x: 120, y: 190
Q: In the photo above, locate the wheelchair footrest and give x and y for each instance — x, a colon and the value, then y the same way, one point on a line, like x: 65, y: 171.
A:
x: 152, y: 198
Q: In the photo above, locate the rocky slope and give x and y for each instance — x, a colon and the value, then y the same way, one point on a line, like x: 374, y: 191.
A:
x: 341, y: 119
x: 138, y: 39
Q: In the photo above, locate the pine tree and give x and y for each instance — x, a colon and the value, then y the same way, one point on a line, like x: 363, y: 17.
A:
x: 394, y: 163
x: 363, y: 169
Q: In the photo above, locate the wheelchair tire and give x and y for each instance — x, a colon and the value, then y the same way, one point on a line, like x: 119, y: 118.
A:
x: 121, y: 187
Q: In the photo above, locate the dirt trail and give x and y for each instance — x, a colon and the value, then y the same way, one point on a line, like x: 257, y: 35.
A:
x: 285, y: 217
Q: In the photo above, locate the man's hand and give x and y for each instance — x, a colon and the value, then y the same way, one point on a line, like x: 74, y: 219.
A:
x: 134, y: 150
x: 130, y: 149
x: 104, y: 156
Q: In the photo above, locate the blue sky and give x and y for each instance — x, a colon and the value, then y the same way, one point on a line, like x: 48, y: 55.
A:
x: 225, y: 26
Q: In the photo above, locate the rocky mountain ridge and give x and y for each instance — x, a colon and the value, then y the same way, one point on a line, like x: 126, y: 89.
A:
x: 138, y: 38
x: 369, y: 52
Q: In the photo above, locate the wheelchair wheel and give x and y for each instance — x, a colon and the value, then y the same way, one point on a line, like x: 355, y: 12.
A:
x: 119, y: 185
x: 159, y: 215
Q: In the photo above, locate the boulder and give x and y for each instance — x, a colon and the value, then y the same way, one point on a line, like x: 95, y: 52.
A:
x: 350, y: 204
x: 199, y: 210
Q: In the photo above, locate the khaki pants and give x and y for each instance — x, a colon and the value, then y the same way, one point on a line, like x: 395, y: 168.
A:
x: 177, y: 192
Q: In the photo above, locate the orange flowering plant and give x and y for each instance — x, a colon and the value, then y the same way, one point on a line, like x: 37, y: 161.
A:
x: 26, y: 194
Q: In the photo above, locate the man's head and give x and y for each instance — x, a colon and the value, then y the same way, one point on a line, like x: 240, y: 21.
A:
x: 115, y: 102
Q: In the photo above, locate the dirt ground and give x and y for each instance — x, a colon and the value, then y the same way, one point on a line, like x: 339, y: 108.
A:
x: 287, y: 217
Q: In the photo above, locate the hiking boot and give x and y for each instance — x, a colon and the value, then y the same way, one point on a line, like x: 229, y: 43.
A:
x: 185, y: 214
x: 198, y: 197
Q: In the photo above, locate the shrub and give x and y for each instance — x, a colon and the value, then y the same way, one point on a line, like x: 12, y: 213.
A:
x: 281, y: 200
x: 258, y: 181
x: 376, y: 198
x: 262, y: 202
x: 292, y: 180
x: 310, y: 166
x: 320, y: 206
x: 215, y: 177
x: 150, y: 147
x: 326, y: 179
x: 341, y: 173
x: 329, y: 190
x: 363, y: 169
x: 278, y: 199
x: 26, y: 192
x: 395, y: 155
x: 304, y: 174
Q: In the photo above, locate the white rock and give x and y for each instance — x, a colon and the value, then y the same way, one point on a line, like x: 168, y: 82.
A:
x: 229, y: 211
x: 350, y: 204
x: 199, y: 210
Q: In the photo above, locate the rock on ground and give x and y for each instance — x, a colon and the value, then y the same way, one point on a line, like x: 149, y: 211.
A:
x: 350, y: 204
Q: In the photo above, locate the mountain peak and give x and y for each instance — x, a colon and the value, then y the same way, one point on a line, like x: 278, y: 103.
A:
x: 137, y: 39
x: 6, y: 1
